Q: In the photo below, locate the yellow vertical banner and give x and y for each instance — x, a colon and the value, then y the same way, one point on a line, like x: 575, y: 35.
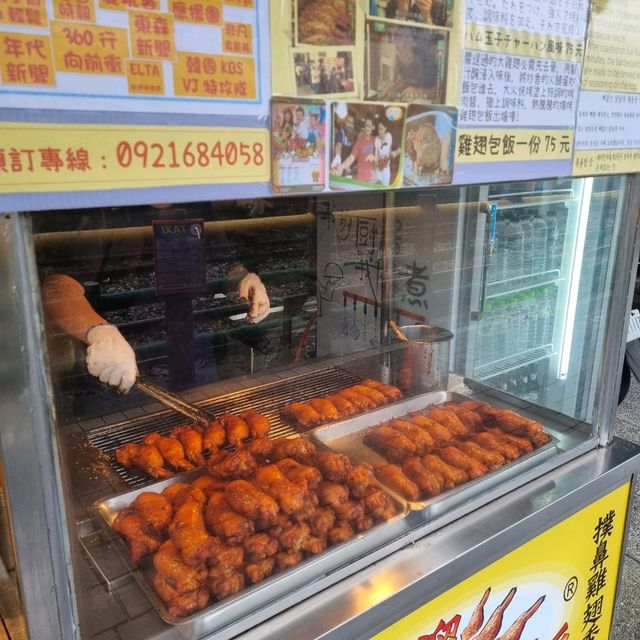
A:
x: 547, y: 588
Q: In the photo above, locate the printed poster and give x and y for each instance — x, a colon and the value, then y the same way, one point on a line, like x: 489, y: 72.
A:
x: 608, y: 124
x: 430, y: 138
x: 559, y: 586
x: 366, y: 145
x: 175, y: 56
x: 298, y: 137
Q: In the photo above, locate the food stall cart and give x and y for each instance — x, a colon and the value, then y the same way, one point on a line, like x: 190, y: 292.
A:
x: 439, y: 365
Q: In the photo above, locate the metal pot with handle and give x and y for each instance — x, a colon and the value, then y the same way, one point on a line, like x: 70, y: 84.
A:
x: 423, y: 364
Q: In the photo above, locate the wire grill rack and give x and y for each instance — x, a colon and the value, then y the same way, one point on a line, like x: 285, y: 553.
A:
x: 267, y: 399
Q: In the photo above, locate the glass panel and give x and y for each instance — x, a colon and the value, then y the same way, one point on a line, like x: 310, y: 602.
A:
x: 548, y: 285
x: 503, y: 292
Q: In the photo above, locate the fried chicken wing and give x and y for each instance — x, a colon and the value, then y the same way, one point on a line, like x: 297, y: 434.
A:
x: 393, y: 393
x: 439, y: 433
x: 232, y: 465
x: 294, y: 536
x: 287, y: 559
x: 261, y: 449
x: 180, y: 604
x: 332, y: 494
x: 430, y: 483
x: 360, y: 401
x: 363, y: 524
x: 349, y: 511
x: 127, y: 453
x: 226, y: 523
x: 452, y: 476
x: 457, y: 458
x: 395, y: 479
x: 208, y: 485
x: 522, y: 444
x: 475, y: 405
x: 394, y: 445
x: 155, y: 509
x: 179, y: 575
x: 333, y: 466
x: 344, y: 407
x: 260, y: 546
x: 510, y: 422
x: 447, y: 419
x: 491, y: 459
x: 379, y: 504
x: 377, y: 397
x: 191, y: 440
x: 179, y: 492
x: 299, y: 449
x: 237, y: 429
x: 226, y: 560
x: 259, y: 425
x: 258, y: 571
x: 222, y: 588
x: 342, y: 532
x: 325, y: 408
x: 315, y: 545
x: 290, y: 497
x: 189, y: 535
x: 145, y: 457
x: 214, y: 436
x: 420, y: 437
x: 247, y: 500
x: 469, y: 418
x: 301, y: 414
x: 321, y: 521
x: 360, y: 478
x: 170, y: 449
x: 297, y: 473
x: 494, y: 443
x: 130, y: 524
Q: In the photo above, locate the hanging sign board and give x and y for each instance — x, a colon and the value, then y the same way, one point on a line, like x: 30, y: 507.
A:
x: 544, y: 589
x: 38, y: 157
x: 179, y: 256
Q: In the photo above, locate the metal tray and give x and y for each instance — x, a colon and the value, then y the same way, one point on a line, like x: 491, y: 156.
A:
x: 347, y: 437
x: 316, y: 569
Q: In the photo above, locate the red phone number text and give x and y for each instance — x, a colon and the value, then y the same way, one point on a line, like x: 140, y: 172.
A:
x: 191, y: 154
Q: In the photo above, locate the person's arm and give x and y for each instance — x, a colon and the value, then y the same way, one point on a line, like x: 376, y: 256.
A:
x: 251, y: 288
x: 109, y: 356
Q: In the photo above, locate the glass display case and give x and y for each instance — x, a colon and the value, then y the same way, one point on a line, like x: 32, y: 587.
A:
x: 451, y: 345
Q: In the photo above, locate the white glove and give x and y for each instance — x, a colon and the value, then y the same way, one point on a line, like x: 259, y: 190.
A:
x: 252, y: 289
x: 336, y: 162
x: 110, y: 358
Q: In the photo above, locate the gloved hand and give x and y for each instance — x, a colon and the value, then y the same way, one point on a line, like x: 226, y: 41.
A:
x: 336, y: 162
x: 110, y: 358
x: 252, y: 289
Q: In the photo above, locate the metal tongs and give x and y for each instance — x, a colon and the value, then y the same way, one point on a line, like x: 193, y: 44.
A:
x: 173, y: 401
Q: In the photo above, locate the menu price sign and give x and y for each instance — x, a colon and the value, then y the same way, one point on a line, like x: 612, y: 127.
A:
x: 520, y: 82
x: 45, y: 157
x: 179, y: 256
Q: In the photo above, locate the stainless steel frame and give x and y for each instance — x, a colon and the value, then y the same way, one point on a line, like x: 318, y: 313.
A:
x: 387, y: 584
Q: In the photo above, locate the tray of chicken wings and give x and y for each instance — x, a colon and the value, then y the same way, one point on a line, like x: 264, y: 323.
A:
x: 255, y: 524
x: 440, y: 444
